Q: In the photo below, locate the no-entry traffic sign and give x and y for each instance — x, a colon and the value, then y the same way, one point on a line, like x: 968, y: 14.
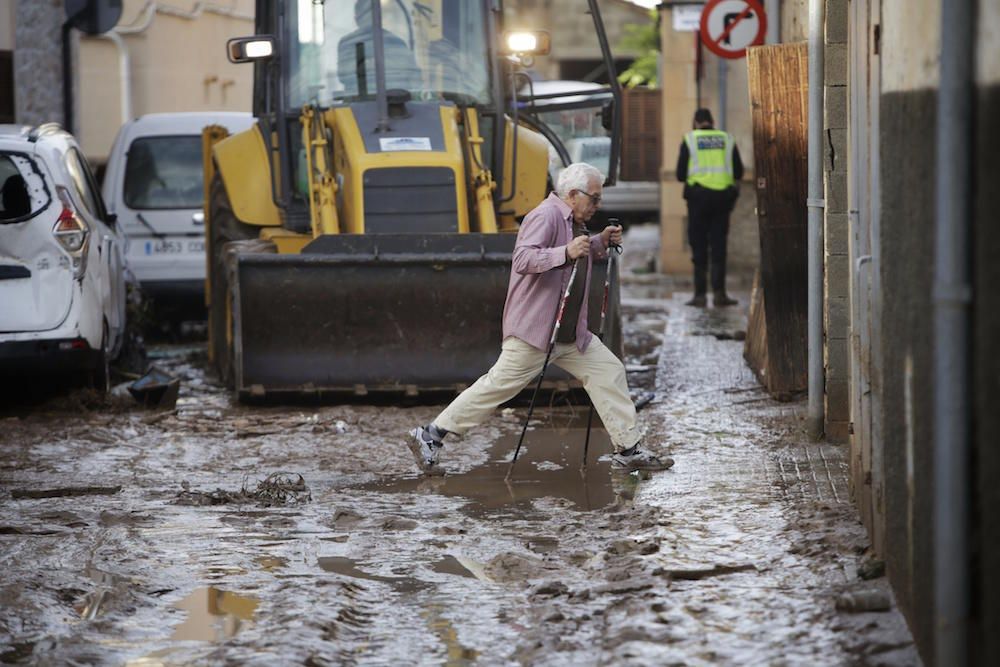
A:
x: 728, y: 27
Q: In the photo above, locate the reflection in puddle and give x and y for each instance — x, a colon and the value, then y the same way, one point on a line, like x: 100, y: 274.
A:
x: 348, y: 567
x: 723, y: 323
x: 92, y: 604
x: 214, y: 615
x: 547, y: 467
x: 270, y: 563
x: 457, y: 654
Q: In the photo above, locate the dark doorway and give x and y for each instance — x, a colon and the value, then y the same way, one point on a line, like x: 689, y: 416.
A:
x: 6, y: 86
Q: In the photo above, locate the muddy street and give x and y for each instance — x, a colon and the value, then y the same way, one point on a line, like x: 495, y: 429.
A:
x: 217, y: 533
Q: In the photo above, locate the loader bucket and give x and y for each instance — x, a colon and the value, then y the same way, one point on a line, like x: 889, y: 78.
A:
x: 359, y: 314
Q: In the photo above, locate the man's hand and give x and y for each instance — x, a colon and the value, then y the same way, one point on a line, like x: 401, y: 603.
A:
x: 578, y: 247
x: 612, y: 235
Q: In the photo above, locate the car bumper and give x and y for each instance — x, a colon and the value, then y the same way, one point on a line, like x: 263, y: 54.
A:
x: 175, y: 289
x: 58, y: 355
x: 172, y: 259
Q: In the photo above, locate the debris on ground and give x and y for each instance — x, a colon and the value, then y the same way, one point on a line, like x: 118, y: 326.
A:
x: 278, y: 488
x: 156, y: 389
x: 63, y: 492
x: 872, y: 599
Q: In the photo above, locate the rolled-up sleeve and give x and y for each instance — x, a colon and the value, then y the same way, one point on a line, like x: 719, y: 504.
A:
x: 534, y: 252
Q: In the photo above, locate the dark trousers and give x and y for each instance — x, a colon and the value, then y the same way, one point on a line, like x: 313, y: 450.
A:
x: 708, y: 228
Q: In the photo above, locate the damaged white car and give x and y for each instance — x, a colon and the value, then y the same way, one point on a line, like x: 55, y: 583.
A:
x: 62, y: 260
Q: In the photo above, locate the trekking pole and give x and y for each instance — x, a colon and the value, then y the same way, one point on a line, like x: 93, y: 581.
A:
x: 613, y: 249
x: 552, y: 344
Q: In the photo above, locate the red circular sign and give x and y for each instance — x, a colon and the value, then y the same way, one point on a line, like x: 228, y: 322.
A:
x: 728, y: 27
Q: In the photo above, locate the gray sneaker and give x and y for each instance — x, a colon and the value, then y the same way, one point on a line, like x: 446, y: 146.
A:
x: 640, y: 460
x: 425, y: 448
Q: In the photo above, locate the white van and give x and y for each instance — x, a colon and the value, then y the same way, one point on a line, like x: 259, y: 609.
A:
x: 154, y: 183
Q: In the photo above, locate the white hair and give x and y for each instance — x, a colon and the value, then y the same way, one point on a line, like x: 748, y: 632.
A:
x: 577, y: 176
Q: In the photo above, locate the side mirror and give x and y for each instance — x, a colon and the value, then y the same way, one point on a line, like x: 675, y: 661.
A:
x: 249, y: 49
x: 608, y: 115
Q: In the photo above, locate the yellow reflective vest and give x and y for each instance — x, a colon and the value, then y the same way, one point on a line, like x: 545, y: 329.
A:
x: 710, y: 159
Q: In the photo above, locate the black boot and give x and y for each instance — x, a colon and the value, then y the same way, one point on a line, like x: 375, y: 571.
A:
x: 722, y: 299
x: 698, y: 301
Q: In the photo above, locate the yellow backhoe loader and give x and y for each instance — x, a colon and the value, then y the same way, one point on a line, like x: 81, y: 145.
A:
x: 359, y: 235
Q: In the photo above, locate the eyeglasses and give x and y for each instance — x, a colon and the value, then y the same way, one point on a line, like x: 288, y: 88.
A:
x: 595, y: 199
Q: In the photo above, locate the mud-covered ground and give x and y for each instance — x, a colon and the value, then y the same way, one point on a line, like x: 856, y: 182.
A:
x: 217, y: 533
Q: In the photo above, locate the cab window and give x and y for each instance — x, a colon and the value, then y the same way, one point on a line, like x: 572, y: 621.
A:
x: 164, y: 173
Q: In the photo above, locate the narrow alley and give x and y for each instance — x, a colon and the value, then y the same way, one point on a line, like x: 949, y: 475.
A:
x: 188, y: 537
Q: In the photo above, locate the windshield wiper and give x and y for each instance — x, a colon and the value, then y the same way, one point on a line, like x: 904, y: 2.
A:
x: 156, y: 234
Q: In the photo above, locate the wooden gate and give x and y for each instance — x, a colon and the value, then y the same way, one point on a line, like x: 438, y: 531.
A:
x: 640, y: 135
x: 776, y: 346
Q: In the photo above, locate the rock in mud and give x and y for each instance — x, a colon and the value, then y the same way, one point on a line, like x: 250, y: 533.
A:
x: 551, y: 589
x: 509, y: 567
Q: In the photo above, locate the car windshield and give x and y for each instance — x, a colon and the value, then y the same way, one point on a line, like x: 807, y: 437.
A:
x: 433, y: 48
x: 164, y: 173
x: 22, y: 187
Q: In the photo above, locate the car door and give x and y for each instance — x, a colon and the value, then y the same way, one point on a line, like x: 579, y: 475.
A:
x: 111, y: 270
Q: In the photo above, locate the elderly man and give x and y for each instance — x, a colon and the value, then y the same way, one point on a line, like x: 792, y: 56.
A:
x: 552, y: 238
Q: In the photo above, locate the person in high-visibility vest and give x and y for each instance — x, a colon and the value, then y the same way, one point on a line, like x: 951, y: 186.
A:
x: 709, y: 165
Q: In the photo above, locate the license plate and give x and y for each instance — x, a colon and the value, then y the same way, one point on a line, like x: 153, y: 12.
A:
x: 174, y: 247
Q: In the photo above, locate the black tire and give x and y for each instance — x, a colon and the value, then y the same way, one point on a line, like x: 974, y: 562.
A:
x: 224, y: 228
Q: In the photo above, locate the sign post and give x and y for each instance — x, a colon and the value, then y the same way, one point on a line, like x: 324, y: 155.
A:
x: 728, y: 27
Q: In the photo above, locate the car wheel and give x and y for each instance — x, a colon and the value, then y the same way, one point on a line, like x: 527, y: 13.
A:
x: 224, y: 228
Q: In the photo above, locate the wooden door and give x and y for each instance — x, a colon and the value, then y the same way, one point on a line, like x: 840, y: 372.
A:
x: 779, y: 78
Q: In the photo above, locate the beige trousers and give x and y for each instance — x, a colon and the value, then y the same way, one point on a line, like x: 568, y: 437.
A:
x: 600, y: 371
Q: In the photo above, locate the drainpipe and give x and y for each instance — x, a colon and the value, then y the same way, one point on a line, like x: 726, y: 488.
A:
x: 124, y: 68
x: 815, y: 204
x: 952, y: 299
x: 723, y: 101
x: 772, y: 9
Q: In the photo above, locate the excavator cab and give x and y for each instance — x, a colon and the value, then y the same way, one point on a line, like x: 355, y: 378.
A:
x: 359, y: 236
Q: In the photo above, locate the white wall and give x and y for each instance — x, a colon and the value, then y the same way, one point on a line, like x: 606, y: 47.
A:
x: 988, y: 42
x: 7, y: 25
x: 911, y: 46
x: 176, y: 61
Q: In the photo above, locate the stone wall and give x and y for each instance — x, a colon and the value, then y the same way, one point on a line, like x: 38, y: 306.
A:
x: 38, y: 70
x: 836, y: 284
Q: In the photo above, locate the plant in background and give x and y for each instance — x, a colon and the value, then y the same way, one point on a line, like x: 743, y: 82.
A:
x: 645, y: 39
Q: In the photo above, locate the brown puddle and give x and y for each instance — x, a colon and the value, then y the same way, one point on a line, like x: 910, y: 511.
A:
x: 547, y: 467
x: 214, y: 615
x: 451, y: 565
x: 348, y: 567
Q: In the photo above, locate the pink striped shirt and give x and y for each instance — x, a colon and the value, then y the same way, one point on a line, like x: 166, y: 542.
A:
x: 539, y: 275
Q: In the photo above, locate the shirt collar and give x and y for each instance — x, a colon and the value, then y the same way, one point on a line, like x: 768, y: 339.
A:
x: 564, y: 208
